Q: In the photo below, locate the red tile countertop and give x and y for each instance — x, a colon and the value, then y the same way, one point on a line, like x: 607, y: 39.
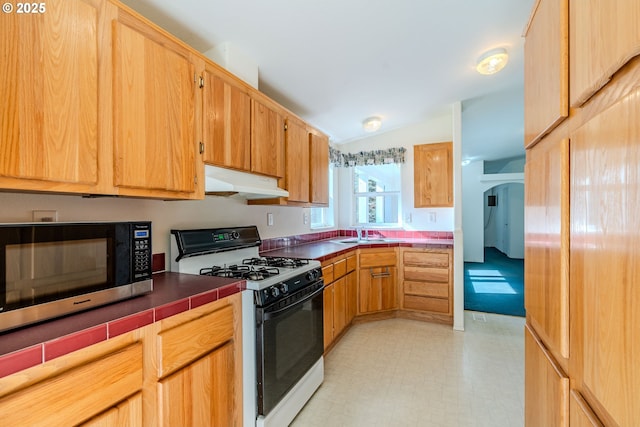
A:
x: 322, y: 250
x: 173, y: 293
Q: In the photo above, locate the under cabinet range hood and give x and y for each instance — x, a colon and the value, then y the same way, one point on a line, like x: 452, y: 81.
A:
x: 227, y: 182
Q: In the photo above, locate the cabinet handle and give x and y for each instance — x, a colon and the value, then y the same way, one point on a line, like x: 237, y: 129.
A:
x: 201, y: 146
x: 386, y: 273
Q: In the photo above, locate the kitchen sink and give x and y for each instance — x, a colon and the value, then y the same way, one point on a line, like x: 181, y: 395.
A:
x: 372, y: 240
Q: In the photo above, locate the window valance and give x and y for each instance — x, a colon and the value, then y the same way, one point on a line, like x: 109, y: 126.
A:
x: 375, y: 157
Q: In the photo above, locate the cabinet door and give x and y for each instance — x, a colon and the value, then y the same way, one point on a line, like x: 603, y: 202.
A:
x: 319, y: 170
x: 267, y: 140
x: 200, y: 394
x: 126, y: 413
x: 352, y: 296
x: 339, y: 306
x: 433, y: 175
x: 546, y: 387
x: 154, y: 105
x: 546, y: 240
x: 297, y: 154
x: 49, y: 93
x: 580, y: 414
x: 605, y: 261
x: 546, y: 90
x: 227, y: 124
x: 327, y: 310
x: 604, y: 36
x: 378, y: 289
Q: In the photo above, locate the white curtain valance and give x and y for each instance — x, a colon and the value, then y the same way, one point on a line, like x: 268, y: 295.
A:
x: 362, y: 158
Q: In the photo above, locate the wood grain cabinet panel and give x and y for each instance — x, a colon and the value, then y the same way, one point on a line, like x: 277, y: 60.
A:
x: 319, y: 169
x: 81, y: 393
x: 327, y: 310
x: 267, y: 140
x: 340, y: 295
x: 580, y: 414
x: 604, y: 36
x: 546, y: 386
x: 546, y: 241
x: 605, y: 261
x: 126, y: 413
x: 154, y: 110
x: 226, y: 123
x: 546, y: 89
x: 49, y: 91
x: 427, y: 282
x: 433, y: 175
x: 297, y: 156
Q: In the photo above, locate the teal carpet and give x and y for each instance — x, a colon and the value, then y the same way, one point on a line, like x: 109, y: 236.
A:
x: 495, y: 286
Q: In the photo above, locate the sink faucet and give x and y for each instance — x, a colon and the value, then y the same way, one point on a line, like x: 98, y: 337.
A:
x: 363, y: 233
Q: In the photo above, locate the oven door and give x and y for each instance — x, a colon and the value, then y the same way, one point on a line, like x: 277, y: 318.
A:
x: 289, y: 342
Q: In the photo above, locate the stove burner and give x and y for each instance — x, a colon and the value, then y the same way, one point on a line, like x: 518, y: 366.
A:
x: 240, y: 272
x: 276, y: 262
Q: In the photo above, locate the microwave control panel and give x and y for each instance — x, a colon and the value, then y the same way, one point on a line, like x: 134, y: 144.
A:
x: 141, y: 251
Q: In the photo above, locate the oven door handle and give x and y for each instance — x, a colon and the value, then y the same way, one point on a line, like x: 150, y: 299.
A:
x: 268, y: 315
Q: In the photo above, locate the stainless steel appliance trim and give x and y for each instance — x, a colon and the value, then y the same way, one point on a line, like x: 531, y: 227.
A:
x: 37, y: 313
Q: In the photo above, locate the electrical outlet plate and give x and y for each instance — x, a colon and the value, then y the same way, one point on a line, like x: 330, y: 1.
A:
x: 45, y: 216
x: 305, y: 218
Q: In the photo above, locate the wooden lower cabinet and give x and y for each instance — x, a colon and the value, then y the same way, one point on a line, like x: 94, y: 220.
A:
x: 427, y: 281
x: 340, y: 295
x: 185, y: 370
x: 377, y: 280
x: 102, y: 382
x: 546, y: 386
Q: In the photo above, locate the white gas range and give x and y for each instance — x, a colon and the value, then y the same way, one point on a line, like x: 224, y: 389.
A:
x: 282, y: 317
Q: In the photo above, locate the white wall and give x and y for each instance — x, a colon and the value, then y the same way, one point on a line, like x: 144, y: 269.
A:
x: 165, y: 215
x: 505, y: 230
x: 432, y: 130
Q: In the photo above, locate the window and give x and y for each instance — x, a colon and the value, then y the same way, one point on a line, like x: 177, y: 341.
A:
x: 323, y: 217
x: 376, y: 195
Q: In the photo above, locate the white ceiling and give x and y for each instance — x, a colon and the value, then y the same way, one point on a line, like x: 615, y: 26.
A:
x: 336, y: 62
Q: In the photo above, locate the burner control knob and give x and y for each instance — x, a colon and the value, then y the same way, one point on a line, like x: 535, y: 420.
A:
x: 275, y: 292
x: 235, y: 235
x: 284, y: 288
x: 312, y: 275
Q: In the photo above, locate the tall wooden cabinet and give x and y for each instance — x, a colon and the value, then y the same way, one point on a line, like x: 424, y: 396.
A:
x: 340, y: 295
x: 581, y: 203
x: 267, y: 140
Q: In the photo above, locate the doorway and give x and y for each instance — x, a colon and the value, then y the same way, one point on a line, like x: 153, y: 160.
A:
x: 497, y: 284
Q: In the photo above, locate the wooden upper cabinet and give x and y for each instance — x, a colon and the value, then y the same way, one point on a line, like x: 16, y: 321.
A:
x: 433, y: 175
x: 226, y: 123
x: 49, y: 89
x: 319, y: 169
x: 546, y: 241
x: 546, y: 90
x: 267, y: 140
x: 604, y: 37
x: 154, y: 109
x: 297, y: 161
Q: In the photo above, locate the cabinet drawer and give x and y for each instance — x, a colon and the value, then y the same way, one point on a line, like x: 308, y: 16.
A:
x: 415, y: 302
x: 352, y: 263
x: 339, y: 268
x: 189, y: 341
x: 427, y: 289
x: 327, y: 273
x: 428, y: 274
x: 78, y: 394
x: 377, y: 259
x: 427, y: 259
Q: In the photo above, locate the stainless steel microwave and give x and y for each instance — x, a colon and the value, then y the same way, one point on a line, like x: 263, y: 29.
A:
x: 51, y: 269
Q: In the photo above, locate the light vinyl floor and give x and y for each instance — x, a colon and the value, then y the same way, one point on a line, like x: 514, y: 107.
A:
x: 401, y: 372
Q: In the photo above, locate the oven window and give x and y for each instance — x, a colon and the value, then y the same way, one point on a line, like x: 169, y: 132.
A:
x: 289, y: 345
x: 45, y: 271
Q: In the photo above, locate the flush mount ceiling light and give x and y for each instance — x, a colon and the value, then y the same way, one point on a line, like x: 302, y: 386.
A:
x: 372, y: 124
x: 492, y: 61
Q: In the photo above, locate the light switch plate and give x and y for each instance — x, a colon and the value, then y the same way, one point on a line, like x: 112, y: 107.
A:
x: 269, y: 219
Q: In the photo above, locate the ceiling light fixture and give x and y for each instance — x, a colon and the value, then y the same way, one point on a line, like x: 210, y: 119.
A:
x: 372, y: 124
x: 492, y: 61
